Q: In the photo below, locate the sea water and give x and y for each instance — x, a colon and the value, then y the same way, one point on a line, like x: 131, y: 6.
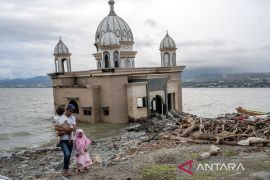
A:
x: 26, y: 114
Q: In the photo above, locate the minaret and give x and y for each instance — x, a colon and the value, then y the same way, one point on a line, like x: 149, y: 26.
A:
x: 62, y: 57
x: 168, y: 51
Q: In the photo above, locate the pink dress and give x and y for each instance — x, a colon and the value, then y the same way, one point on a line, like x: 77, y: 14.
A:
x: 81, y: 145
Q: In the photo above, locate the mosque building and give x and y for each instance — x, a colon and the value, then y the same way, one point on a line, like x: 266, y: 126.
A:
x: 117, y: 91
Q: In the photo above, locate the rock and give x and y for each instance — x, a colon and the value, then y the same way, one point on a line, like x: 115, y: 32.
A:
x: 134, y: 127
x: 204, y: 155
x: 261, y: 175
x: 58, y: 165
x: 169, y: 126
x: 135, y: 135
x: 4, y: 177
x: 60, y: 177
x: 37, y: 174
x: 214, y: 150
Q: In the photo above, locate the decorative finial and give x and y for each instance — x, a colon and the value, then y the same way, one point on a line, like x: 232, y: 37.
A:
x: 60, y: 38
x: 167, y: 33
x: 111, y: 3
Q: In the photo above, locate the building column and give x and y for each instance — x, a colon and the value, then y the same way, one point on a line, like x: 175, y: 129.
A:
x: 162, y: 60
x: 60, y: 68
x: 55, y: 63
x: 69, y: 65
x: 111, y: 59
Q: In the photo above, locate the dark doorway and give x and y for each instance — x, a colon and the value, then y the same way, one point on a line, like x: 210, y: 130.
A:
x: 107, y: 62
x: 169, y: 101
x: 74, y: 103
x: 157, y: 104
x: 116, y: 64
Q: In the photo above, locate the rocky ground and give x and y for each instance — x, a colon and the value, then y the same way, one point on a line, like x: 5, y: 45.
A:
x: 144, y: 151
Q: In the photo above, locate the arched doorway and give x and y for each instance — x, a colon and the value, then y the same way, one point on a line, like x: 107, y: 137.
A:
x: 166, y: 59
x: 116, y: 59
x: 74, y: 103
x: 106, y: 60
x: 64, y: 65
x: 156, y: 104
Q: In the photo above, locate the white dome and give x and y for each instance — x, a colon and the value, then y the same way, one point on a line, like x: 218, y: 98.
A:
x: 60, y: 48
x: 167, y: 43
x: 118, y: 26
x: 109, y: 39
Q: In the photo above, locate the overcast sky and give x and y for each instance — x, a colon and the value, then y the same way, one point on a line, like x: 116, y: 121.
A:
x: 234, y: 34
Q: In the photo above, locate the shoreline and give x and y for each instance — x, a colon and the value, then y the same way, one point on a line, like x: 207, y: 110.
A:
x: 142, y: 139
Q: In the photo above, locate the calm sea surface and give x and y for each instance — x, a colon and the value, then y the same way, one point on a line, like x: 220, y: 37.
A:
x: 26, y: 114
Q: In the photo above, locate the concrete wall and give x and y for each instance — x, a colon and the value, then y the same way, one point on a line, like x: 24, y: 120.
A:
x: 113, y: 94
x: 64, y: 82
x: 175, y: 84
x: 111, y: 91
x: 82, y: 96
x: 134, y: 91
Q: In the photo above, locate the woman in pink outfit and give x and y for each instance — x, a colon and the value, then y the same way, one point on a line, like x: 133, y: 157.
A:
x: 82, y: 156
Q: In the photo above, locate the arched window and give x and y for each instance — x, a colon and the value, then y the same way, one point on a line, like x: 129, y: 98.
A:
x: 106, y: 59
x: 117, y: 33
x: 166, y: 59
x: 64, y: 65
x: 174, y: 59
x: 127, y: 63
x: 74, y: 103
x: 116, y: 59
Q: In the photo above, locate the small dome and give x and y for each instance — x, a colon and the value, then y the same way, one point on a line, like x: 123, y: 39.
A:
x: 61, y: 48
x: 167, y: 43
x: 109, y: 39
x: 118, y: 26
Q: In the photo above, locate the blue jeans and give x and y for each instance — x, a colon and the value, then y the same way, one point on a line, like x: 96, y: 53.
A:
x: 67, y: 150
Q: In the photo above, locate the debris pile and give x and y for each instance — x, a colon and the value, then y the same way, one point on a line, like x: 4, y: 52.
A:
x: 227, y: 130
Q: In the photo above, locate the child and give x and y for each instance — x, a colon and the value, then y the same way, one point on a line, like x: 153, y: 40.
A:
x: 81, y: 145
x: 60, y: 121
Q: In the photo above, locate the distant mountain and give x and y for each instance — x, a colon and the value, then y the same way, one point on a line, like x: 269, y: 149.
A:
x: 226, y: 77
x: 191, y: 78
x: 35, y: 82
x: 227, y: 80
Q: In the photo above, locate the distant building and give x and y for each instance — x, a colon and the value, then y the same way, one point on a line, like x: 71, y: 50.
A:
x: 117, y: 92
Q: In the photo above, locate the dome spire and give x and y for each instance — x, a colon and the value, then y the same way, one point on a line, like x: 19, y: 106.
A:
x: 111, y: 3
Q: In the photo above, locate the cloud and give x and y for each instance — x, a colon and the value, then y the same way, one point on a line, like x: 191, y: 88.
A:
x: 208, y: 42
x: 150, y: 22
x: 206, y: 33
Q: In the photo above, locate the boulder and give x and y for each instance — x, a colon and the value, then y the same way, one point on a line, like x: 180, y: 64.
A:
x: 204, y: 155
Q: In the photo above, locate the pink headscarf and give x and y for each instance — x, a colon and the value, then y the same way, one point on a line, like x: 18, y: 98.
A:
x: 83, y: 142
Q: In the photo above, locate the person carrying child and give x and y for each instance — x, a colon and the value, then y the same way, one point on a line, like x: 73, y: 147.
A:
x: 66, y: 141
x: 61, y: 122
x: 82, y: 156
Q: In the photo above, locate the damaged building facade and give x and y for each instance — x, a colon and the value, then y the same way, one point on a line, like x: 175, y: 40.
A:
x: 116, y: 91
